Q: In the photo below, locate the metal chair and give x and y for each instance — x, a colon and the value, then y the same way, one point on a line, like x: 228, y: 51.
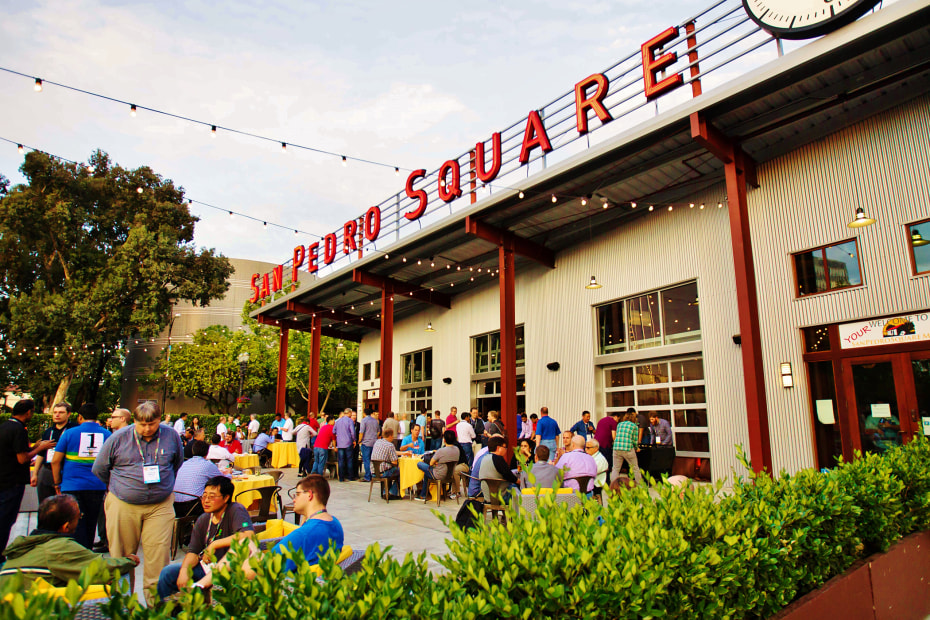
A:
x: 448, y: 480
x: 383, y: 481
x: 496, y: 505
x: 183, y: 527
x: 268, y: 497
x: 466, y: 482
x: 583, y: 482
x: 276, y: 474
x: 332, y: 464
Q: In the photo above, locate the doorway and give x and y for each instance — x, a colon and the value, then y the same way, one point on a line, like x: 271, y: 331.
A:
x: 887, y: 399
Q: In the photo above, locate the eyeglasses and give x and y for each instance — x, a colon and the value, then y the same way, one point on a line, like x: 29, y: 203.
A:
x: 210, y: 497
x: 295, y: 493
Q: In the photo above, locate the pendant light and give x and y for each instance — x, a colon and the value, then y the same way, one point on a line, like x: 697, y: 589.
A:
x: 861, y: 221
x: 917, y: 239
x: 429, y: 327
x: 593, y: 284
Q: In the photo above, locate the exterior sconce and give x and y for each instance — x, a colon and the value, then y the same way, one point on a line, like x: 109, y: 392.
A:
x: 787, y: 379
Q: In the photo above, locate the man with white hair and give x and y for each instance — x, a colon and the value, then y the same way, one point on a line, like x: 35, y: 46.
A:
x: 576, y: 463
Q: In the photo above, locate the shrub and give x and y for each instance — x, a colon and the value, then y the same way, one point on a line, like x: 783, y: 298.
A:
x: 690, y: 552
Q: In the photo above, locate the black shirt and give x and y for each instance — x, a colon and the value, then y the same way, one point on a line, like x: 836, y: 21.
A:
x: 235, y: 519
x: 13, y: 440
x: 54, y: 433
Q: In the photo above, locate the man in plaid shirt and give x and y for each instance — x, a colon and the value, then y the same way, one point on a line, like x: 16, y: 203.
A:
x: 385, y: 452
x: 625, y: 448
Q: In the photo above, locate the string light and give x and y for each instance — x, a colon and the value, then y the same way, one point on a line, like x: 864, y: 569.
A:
x: 231, y: 216
x: 38, y: 86
x: 213, y: 131
x: 520, y: 194
x: 396, y: 171
x: 132, y: 110
x: 345, y: 161
x: 670, y: 207
x: 19, y: 147
x: 139, y: 190
x: 284, y: 147
x: 584, y: 201
x: 632, y: 205
x: 554, y: 199
x: 651, y: 207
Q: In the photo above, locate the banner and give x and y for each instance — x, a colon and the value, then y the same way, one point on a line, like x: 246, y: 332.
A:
x: 878, y: 332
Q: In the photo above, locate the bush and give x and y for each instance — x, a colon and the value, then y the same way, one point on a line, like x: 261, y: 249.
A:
x: 690, y: 552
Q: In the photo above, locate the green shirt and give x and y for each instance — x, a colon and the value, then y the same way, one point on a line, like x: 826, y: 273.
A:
x: 627, y: 437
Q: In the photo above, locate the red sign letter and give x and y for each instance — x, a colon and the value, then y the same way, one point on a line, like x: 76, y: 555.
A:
x: 312, y: 256
x: 652, y: 65
x: 266, y: 289
x: 594, y: 102
x: 490, y: 175
x: 329, y: 248
x: 299, y: 255
x: 373, y: 223
x: 348, y: 237
x: 535, y: 135
x: 256, y: 294
x: 277, y: 278
x: 416, y: 193
x: 450, y: 190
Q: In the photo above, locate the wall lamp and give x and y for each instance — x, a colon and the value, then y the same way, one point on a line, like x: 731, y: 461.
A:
x: 787, y: 379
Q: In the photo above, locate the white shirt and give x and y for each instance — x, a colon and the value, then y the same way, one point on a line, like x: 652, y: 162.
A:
x: 465, y: 432
x: 219, y: 452
x: 304, y: 432
x: 179, y: 426
x: 287, y: 433
x: 221, y: 429
x: 253, y: 426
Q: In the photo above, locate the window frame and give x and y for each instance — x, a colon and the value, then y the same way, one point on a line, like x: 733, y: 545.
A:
x: 911, y: 249
x: 823, y: 250
x: 495, y: 353
x: 427, y: 373
x: 663, y: 337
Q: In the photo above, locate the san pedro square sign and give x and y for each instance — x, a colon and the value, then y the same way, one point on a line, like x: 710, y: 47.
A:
x: 784, y: 18
x: 894, y: 330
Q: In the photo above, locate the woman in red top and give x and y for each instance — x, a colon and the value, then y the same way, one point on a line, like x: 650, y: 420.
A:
x: 231, y: 443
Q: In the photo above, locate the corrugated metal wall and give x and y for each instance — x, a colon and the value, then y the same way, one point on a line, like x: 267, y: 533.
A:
x: 805, y: 200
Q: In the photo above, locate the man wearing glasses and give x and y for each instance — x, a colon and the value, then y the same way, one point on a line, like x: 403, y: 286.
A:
x: 223, y: 522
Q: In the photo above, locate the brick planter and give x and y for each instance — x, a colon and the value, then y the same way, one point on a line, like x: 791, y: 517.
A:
x: 886, y: 586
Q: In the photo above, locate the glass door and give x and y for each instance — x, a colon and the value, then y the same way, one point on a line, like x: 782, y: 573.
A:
x: 879, y: 393
x: 920, y: 410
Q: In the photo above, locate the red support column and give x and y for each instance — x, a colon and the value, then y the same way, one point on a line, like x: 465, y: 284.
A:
x: 387, y: 350
x: 508, y: 343
x: 280, y: 403
x: 313, y: 390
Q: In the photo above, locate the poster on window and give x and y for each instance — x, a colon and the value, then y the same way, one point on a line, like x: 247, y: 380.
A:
x: 878, y: 332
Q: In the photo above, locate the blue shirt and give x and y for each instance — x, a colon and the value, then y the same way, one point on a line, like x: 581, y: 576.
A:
x: 278, y: 424
x: 474, y: 486
x: 344, y: 428
x: 192, y: 478
x: 580, y: 428
x: 370, y: 429
x: 80, y: 446
x: 416, y: 447
x: 313, y: 539
x: 261, y: 442
x: 547, y: 428
x: 120, y: 461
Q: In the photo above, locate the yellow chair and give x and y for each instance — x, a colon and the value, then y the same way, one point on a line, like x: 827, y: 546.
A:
x: 40, y: 586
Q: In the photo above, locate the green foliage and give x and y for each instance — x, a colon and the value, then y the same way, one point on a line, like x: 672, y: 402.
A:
x: 338, y: 368
x: 86, y: 260
x: 691, y: 552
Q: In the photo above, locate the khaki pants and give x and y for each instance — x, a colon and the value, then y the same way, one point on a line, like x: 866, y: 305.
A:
x: 461, y: 468
x: 630, y: 458
x: 151, y: 525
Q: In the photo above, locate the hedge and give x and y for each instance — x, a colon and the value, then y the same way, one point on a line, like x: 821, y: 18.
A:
x: 693, y: 552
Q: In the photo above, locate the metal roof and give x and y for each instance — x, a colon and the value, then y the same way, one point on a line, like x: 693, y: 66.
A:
x: 835, y: 81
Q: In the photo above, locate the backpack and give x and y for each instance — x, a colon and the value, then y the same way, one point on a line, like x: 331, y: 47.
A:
x: 466, y: 516
x: 479, y: 427
x: 435, y: 428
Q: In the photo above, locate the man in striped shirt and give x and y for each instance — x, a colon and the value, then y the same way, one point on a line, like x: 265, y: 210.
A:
x: 71, y: 470
x: 625, y: 448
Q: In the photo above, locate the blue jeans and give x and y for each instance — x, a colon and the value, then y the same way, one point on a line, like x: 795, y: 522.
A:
x: 552, y: 444
x: 168, y: 579
x: 366, y: 459
x: 345, y: 464
x: 395, y: 483
x: 319, y: 460
x: 469, y: 453
x: 427, y: 476
x: 306, y: 460
x: 10, y: 499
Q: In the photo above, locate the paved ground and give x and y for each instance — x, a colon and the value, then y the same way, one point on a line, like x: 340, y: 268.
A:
x: 406, y: 526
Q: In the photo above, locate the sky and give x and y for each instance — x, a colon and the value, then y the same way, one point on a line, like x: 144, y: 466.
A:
x: 409, y: 84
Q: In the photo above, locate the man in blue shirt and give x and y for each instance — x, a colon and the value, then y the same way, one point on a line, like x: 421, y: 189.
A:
x: 260, y: 447
x: 71, y: 470
x: 345, y: 442
x: 320, y: 530
x: 368, y: 435
x: 547, y: 431
x: 583, y: 427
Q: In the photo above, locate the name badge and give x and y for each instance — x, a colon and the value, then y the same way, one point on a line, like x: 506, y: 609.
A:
x: 49, y: 454
x: 150, y: 474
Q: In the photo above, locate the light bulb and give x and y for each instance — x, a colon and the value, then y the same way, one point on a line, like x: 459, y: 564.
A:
x: 295, y: 232
x: 702, y: 205
x: 132, y: 110
x: 20, y: 148
x: 520, y: 194
x: 38, y: 85
x: 231, y: 215
x: 139, y: 190
x: 345, y: 162
x: 670, y: 207
x: 633, y: 205
x: 651, y: 207
x: 284, y: 147
x: 606, y: 204
x: 265, y: 225
x: 554, y: 199
x: 213, y: 131
x: 584, y: 200
x: 719, y: 205
x: 396, y: 171
x: 691, y: 206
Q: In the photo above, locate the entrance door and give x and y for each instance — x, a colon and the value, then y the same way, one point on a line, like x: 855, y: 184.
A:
x: 920, y: 408
x: 881, y: 400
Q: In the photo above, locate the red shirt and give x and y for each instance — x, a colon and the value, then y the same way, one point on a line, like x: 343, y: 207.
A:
x: 324, y: 437
x: 314, y: 424
x: 234, y: 446
x: 604, y: 433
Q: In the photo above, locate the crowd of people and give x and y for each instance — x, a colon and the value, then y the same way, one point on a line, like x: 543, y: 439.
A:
x: 130, y: 478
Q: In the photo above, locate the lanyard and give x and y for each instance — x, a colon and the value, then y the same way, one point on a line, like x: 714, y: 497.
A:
x: 318, y: 512
x: 138, y: 445
x: 219, y: 529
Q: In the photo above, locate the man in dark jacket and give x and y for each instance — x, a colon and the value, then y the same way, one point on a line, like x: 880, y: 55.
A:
x: 51, y: 553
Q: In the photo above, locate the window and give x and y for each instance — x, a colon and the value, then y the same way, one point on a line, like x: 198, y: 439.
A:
x: 667, y: 316
x: 366, y: 372
x: 672, y: 389
x: 378, y: 369
x: 417, y: 366
x: 816, y: 339
x: 486, y: 351
x: 828, y: 268
x: 918, y: 238
x: 415, y: 400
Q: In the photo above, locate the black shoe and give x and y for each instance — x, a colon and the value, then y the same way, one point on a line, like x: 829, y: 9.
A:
x: 395, y: 497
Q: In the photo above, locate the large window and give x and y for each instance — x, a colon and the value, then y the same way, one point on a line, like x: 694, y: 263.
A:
x: 674, y: 389
x: 417, y: 366
x: 918, y: 239
x: 486, y: 351
x: 414, y: 400
x: 668, y: 316
x: 828, y: 268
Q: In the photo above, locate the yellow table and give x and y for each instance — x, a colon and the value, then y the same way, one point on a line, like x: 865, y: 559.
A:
x: 245, y: 460
x: 410, y: 474
x: 251, y: 482
x: 284, y: 454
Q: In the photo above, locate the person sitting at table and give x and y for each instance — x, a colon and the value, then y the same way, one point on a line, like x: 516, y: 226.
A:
x: 414, y: 443
x: 218, y: 452
x: 445, y: 457
x: 576, y: 462
x: 232, y: 445
x: 222, y: 522
x: 593, y: 447
x: 524, y: 454
x: 260, y: 447
x: 190, y: 480
x: 474, y: 485
x: 196, y: 435
x: 320, y: 530
x: 385, y: 452
x: 542, y: 474
x: 495, y: 467
x: 51, y: 553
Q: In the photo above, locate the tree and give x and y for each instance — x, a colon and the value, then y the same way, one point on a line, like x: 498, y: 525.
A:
x: 338, y: 367
x: 89, y: 256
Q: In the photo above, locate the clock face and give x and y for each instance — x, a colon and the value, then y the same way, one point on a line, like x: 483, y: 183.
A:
x: 804, y: 19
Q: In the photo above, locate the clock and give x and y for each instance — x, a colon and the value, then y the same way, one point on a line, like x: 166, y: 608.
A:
x: 805, y: 19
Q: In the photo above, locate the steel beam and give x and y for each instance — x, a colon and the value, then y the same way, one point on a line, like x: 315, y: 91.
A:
x: 280, y: 401
x: 524, y: 247
x: 387, y: 351
x: 333, y: 314
x: 313, y: 388
x: 401, y: 288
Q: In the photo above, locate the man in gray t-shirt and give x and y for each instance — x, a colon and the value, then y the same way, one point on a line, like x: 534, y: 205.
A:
x: 438, y: 467
x: 367, y: 436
